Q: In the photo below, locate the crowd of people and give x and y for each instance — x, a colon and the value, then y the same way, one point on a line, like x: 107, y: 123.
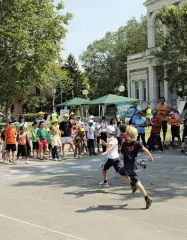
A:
x: 121, y: 143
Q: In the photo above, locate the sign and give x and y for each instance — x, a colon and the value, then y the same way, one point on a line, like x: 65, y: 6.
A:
x: 124, y: 107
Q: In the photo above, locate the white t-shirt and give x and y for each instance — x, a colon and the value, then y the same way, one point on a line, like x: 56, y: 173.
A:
x: 118, y: 132
x: 103, y: 127
x: 113, y: 154
x: 90, y: 132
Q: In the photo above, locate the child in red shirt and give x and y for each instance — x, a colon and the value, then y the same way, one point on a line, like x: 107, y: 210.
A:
x: 123, y: 135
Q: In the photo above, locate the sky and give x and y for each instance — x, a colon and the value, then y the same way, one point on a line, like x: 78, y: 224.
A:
x: 93, y: 18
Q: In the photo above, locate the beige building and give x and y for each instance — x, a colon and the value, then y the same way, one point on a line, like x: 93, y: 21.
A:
x: 143, y: 80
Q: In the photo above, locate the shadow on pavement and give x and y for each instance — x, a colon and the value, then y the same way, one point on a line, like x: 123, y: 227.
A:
x: 107, y: 208
x: 162, y: 182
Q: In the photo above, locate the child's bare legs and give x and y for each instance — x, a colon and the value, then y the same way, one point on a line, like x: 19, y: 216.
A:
x: 75, y: 152
x: 141, y: 189
x: 71, y: 146
x: 105, y: 175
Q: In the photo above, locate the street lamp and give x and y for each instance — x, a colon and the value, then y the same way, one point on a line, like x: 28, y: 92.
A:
x: 85, y: 92
x: 54, y: 93
x: 121, y: 88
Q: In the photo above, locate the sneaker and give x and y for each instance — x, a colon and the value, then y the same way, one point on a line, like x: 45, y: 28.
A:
x: 148, y: 202
x: 6, y: 162
x: 1, y: 161
x: 79, y: 156
x: 104, y: 184
x: 179, y: 149
x: 133, y: 187
x: 41, y: 158
x: 27, y: 162
x: 142, y: 164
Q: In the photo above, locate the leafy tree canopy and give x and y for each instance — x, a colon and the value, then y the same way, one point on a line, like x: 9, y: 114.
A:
x: 31, y: 35
x: 172, y: 54
x: 104, y: 60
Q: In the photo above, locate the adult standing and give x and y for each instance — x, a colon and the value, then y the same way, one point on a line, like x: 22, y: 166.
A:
x: 163, y: 114
x: 40, y: 118
x: 134, y: 112
x: 65, y: 128
x: 140, y: 125
x: 103, y: 132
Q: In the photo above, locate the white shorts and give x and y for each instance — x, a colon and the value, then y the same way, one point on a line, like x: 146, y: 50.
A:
x: 65, y: 140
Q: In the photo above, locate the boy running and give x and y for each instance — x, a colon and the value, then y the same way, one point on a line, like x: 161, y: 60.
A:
x: 112, y: 155
x: 42, y: 134
x: 129, y: 152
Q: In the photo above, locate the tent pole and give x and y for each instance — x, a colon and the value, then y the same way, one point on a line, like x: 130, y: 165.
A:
x: 99, y: 112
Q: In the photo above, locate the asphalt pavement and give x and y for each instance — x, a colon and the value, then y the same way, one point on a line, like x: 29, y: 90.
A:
x: 48, y: 200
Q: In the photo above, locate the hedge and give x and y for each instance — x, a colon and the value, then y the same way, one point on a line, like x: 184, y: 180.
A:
x: 30, y: 117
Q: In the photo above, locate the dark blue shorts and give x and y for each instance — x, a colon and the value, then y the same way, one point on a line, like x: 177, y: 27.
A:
x: 130, y: 172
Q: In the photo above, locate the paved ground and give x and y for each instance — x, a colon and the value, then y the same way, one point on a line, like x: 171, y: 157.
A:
x: 52, y: 201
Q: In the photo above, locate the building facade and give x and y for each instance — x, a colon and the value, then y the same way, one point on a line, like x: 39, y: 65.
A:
x: 144, y: 82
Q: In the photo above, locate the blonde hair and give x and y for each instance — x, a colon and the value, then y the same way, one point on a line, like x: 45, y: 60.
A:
x: 132, y: 133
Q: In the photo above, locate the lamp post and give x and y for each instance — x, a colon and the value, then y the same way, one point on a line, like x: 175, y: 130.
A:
x: 53, y: 93
x: 85, y: 93
x: 121, y: 88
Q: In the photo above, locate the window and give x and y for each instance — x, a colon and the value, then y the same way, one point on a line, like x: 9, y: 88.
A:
x: 137, y: 90
x: 144, y: 91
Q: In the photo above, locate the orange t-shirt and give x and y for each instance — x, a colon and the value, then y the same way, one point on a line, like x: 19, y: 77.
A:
x: 163, y: 110
x: 10, y: 136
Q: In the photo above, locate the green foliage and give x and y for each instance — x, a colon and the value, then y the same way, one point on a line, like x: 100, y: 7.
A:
x: 172, y: 54
x: 30, y: 117
x: 37, y: 103
x: 31, y: 34
x: 77, y: 80
x: 104, y: 60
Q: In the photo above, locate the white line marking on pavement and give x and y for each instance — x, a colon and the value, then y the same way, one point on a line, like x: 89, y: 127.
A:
x: 41, y: 227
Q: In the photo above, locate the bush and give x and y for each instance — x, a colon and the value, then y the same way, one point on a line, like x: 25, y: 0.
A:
x: 30, y: 117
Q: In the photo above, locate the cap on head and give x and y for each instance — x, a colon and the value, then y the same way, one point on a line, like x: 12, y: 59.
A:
x: 72, y: 114
x: 41, y: 113
x: 91, y: 117
x: 90, y: 121
x: 110, y: 130
x: 65, y: 115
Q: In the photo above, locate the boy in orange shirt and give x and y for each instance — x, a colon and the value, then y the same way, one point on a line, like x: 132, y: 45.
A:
x: 10, y: 140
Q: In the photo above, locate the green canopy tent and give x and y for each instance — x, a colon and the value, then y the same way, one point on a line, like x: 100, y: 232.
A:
x: 110, y: 99
x: 74, y: 102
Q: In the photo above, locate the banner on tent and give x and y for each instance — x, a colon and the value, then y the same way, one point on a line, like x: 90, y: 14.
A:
x: 124, y: 107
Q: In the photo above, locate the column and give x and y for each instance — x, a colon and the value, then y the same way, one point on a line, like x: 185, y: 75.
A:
x: 166, y: 91
x: 152, y: 86
x: 151, y: 34
x: 128, y: 84
x: 140, y: 91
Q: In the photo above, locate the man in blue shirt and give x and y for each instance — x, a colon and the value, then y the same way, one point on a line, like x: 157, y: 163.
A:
x: 134, y: 111
x: 140, y: 125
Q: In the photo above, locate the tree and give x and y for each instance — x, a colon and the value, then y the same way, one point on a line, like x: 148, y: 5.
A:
x: 31, y: 34
x: 77, y: 80
x: 104, y: 60
x: 172, y: 54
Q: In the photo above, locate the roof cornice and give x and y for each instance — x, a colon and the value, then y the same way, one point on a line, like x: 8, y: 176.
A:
x: 149, y: 2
